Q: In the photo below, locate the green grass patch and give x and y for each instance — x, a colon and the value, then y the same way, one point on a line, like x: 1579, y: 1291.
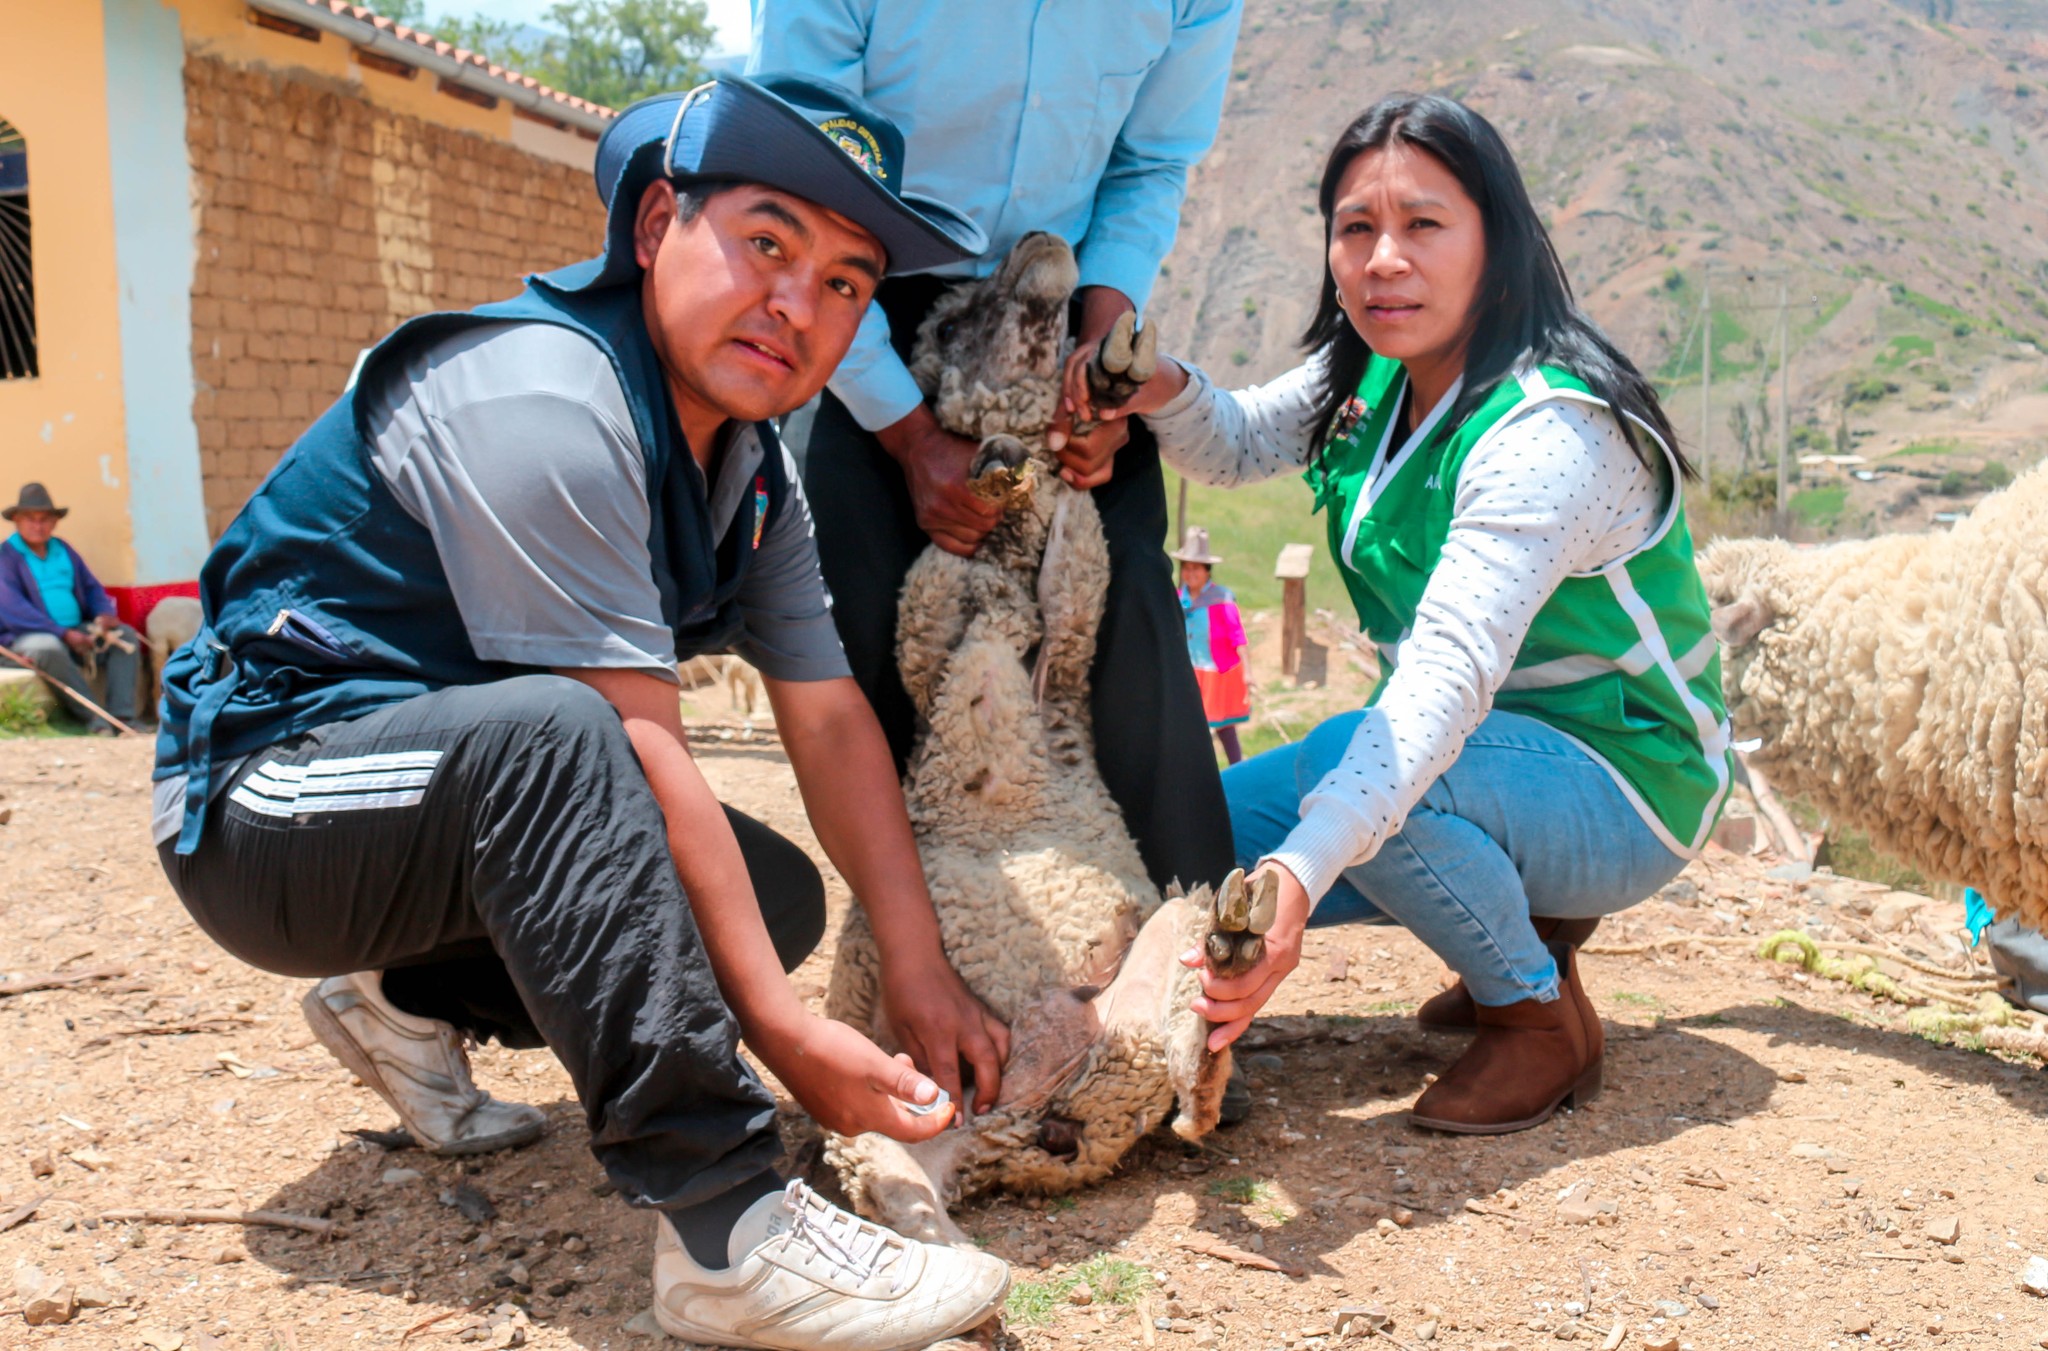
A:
x: 1851, y: 854
x: 1927, y: 305
x: 1112, y: 1280
x: 1248, y: 525
x: 1925, y: 448
x: 24, y: 714
x: 1392, y: 1006
x: 1243, y: 1191
x: 1634, y: 1000
x: 1061, y: 1204
x: 1256, y: 738
x: 1820, y: 507
x: 1033, y: 1300
x: 1905, y: 348
x: 1733, y: 353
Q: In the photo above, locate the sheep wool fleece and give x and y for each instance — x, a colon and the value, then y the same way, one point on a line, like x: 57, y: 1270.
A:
x: 1621, y: 659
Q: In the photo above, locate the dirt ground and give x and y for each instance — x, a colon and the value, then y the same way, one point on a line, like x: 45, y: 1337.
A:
x: 1774, y: 1163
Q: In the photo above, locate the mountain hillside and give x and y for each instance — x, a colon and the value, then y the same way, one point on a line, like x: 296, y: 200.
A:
x: 1887, y: 163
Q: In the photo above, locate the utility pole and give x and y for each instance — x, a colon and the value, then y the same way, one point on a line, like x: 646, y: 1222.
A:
x: 1782, y: 514
x: 1707, y: 380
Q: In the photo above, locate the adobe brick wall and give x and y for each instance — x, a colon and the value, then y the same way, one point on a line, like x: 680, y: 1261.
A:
x: 322, y: 221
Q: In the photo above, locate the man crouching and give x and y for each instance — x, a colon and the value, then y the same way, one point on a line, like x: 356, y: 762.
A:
x: 427, y: 745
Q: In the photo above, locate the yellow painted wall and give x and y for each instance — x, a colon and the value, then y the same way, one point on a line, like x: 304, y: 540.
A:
x: 66, y: 427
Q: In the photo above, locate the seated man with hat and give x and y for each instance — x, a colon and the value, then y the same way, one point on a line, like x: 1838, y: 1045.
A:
x: 55, y: 615
x: 427, y: 745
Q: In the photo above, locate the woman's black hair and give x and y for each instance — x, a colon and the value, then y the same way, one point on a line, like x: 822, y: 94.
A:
x: 1523, y: 312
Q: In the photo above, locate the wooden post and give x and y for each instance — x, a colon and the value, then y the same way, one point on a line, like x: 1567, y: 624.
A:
x: 1292, y: 570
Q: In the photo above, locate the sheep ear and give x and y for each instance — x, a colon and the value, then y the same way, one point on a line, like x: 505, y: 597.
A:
x: 1738, y: 623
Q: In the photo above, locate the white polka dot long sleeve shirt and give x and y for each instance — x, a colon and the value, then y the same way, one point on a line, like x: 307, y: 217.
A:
x: 1555, y: 492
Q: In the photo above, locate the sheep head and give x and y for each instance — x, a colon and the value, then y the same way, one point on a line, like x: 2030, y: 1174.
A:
x: 988, y: 355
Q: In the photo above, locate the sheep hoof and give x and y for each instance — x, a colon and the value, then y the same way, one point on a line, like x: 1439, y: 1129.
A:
x: 1128, y: 357
x: 1233, y: 904
x: 998, y: 467
x: 1231, y: 955
x: 1265, y: 902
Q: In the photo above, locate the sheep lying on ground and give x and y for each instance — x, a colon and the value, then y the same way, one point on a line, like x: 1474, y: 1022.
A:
x: 1902, y: 684
x: 1042, y: 899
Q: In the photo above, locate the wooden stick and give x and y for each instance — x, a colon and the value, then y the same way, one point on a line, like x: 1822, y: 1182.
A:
x: 1210, y: 1246
x: 21, y: 1212
x: 1791, y: 840
x: 53, y: 981
x: 273, y: 1219
x: 219, y: 1024
x: 426, y: 1323
x: 66, y: 690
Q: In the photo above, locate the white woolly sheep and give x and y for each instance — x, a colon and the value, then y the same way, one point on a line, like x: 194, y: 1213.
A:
x: 1902, y: 684
x: 173, y: 622
x: 1043, y: 902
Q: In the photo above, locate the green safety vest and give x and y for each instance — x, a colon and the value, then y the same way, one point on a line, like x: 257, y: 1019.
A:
x: 1621, y: 660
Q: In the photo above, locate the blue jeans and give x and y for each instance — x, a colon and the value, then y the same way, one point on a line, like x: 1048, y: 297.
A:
x: 1523, y: 823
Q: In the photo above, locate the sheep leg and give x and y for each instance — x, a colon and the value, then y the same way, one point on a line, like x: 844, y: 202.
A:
x: 931, y: 619
x: 1148, y: 1004
x: 852, y: 995
x: 1073, y: 583
x: 1127, y: 358
x: 1244, y: 911
x: 904, y: 1186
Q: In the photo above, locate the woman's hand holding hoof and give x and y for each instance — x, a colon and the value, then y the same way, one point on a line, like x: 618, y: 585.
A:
x: 849, y: 1084
x: 1255, y: 945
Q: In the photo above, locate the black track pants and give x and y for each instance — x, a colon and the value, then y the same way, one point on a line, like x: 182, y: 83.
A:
x: 497, y: 852
x: 1151, y: 735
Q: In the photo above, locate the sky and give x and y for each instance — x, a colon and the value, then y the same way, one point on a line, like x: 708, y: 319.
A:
x: 730, y: 17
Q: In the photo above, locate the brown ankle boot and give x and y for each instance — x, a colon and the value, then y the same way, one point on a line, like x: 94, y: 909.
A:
x: 1453, y: 1007
x: 1528, y: 1060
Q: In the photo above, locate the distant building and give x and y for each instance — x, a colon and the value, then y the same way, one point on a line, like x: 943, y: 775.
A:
x: 209, y: 207
x: 1831, y: 466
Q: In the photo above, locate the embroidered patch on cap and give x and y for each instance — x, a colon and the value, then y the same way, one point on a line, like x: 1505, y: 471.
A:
x: 859, y: 143
x: 760, y: 508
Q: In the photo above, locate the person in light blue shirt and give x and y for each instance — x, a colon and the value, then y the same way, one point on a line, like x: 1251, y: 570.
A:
x: 1077, y: 117
x: 55, y: 615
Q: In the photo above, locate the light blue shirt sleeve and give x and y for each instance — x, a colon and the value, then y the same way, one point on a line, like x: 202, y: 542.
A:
x: 827, y: 40
x: 1077, y: 117
x: 1170, y: 127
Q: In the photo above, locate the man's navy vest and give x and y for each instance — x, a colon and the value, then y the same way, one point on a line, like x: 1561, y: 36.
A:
x: 326, y: 600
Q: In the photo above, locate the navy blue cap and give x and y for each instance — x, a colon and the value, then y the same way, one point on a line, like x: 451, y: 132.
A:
x: 806, y: 137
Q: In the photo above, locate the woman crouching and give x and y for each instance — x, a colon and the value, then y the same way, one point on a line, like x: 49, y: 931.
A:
x: 1547, y: 742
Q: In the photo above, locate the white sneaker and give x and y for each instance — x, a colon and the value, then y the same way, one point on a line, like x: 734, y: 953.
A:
x: 808, y: 1276
x: 417, y: 1065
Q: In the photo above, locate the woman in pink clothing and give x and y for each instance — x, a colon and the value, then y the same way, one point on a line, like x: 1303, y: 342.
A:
x: 1216, y: 642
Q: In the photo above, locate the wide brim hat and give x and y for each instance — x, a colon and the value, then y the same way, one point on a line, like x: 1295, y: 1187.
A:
x: 33, y: 497
x: 809, y: 138
x: 1194, y: 548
